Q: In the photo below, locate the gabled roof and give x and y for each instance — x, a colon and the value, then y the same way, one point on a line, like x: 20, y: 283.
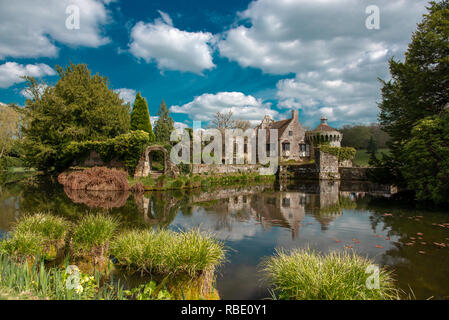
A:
x: 281, y: 126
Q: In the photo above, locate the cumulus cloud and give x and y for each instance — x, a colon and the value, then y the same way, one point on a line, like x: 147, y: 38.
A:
x: 11, y: 72
x: 128, y: 95
x: 177, y: 125
x: 31, y: 27
x: 171, y: 48
x: 335, y: 58
x: 245, y: 107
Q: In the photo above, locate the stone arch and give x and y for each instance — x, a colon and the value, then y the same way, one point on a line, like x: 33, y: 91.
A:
x: 143, y: 169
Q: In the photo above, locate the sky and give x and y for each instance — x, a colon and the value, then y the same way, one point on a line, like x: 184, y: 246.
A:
x: 201, y: 57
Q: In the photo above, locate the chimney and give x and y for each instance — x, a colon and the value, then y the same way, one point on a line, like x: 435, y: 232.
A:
x: 295, y: 115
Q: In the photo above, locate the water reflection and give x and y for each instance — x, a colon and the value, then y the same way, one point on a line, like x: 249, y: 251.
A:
x: 255, y: 220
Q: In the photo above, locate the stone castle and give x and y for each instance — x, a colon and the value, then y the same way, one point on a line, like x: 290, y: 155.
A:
x: 296, y: 143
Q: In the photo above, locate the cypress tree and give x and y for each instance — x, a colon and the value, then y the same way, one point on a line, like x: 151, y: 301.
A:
x: 164, y: 124
x: 140, y: 116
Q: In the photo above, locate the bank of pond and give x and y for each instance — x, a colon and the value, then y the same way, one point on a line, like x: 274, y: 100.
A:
x: 49, y: 257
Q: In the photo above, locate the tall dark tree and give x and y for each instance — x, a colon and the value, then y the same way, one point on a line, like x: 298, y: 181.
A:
x: 79, y: 107
x: 140, y: 117
x: 419, y: 88
x: 164, y: 124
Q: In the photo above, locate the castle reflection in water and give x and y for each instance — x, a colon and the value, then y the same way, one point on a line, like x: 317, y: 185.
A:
x: 284, y: 206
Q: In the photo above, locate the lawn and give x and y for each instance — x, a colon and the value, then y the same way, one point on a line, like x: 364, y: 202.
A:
x: 362, y: 157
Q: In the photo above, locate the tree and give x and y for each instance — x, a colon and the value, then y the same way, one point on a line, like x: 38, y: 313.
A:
x: 140, y: 117
x: 371, y: 148
x: 418, y: 89
x: 79, y: 107
x: 9, y: 130
x: 164, y: 124
x: 426, y: 159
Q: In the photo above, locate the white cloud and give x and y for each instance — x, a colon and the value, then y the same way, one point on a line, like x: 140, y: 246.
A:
x: 30, y: 28
x: 177, y: 125
x: 10, y: 72
x: 27, y: 94
x: 128, y: 95
x: 325, y: 43
x: 171, y: 48
x: 244, y: 107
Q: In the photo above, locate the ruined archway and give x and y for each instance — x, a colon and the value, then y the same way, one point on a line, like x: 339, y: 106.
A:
x: 144, y: 168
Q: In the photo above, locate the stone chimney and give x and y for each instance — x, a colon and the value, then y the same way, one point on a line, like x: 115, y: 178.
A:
x: 295, y: 115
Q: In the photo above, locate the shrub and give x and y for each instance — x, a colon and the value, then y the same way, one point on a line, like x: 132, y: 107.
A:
x: 307, y: 275
x: 168, y: 252
x: 95, y: 179
x: 343, y: 153
x: 37, y: 235
x: 91, y: 237
x: 127, y: 148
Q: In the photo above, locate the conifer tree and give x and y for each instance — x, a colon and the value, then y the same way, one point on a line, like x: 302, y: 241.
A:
x: 164, y: 124
x: 140, y: 117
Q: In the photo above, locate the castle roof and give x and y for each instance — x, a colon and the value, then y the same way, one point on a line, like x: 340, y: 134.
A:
x: 323, y: 127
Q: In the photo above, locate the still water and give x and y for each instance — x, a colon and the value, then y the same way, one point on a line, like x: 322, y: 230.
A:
x: 255, y: 220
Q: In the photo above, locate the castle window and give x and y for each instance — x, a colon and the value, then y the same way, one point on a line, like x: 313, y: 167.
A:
x: 290, y: 133
x: 286, y: 146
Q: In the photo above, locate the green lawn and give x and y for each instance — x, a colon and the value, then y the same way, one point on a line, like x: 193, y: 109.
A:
x: 362, y: 157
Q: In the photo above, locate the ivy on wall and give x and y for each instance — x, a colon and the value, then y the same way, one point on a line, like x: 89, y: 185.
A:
x: 126, y: 148
x: 342, y: 153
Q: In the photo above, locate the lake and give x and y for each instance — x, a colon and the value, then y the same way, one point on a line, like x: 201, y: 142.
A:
x: 254, y: 221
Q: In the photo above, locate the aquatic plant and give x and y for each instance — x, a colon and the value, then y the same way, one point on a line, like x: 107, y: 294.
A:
x: 303, y: 274
x: 168, y: 252
x: 91, y: 237
x: 37, y: 235
x: 95, y: 179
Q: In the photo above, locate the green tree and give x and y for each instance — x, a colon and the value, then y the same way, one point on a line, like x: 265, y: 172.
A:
x: 140, y: 117
x: 9, y: 131
x: 164, y: 124
x: 419, y: 88
x: 79, y: 107
x: 371, y: 148
x: 426, y: 159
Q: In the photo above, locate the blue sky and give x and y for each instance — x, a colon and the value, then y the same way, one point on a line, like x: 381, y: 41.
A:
x: 253, y: 58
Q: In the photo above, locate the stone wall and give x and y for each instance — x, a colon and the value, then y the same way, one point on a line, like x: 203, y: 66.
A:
x: 327, y: 166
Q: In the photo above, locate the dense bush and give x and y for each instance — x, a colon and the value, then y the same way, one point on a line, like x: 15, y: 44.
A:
x: 127, y: 148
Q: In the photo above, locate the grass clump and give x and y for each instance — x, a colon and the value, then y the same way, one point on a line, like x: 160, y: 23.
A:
x: 91, y: 237
x: 168, y: 252
x: 307, y: 275
x: 37, y: 235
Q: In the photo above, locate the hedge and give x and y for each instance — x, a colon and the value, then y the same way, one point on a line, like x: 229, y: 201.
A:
x: 342, y: 153
x: 126, y: 148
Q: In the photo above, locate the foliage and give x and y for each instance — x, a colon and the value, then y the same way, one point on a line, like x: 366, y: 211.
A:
x: 307, y: 275
x: 164, y: 124
x: 342, y: 153
x: 140, y: 117
x: 418, y: 88
x: 39, y: 235
x: 426, y: 159
x: 184, y: 168
x: 9, y: 131
x: 93, y: 232
x: 36, y: 282
x: 189, y: 252
x: 80, y: 107
x: 127, y: 148
x: 358, y: 136
x: 148, y: 291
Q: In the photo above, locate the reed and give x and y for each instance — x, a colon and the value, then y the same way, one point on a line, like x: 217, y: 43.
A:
x: 308, y: 275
